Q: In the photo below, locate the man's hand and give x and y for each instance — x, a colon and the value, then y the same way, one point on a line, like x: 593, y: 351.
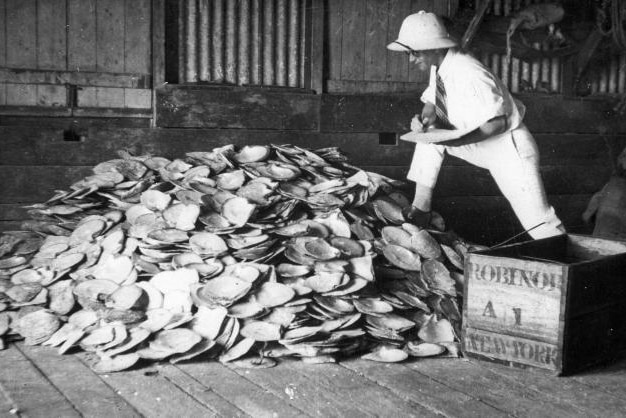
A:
x: 429, y: 116
x: 416, y: 124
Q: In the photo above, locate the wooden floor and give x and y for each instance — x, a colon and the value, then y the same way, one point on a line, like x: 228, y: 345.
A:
x: 36, y: 382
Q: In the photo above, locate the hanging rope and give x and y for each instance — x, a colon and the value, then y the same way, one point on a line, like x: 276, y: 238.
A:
x: 617, y: 24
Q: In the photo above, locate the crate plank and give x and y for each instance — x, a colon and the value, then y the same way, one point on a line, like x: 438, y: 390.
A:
x: 510, y: 397
x: 87, y: 392
x: 314, y: 388
x: 21, y: 22
x: 51, y: 35
x: 214, y: 402
x: 30, y: 392
x: 81, y: 37
x: 137, y: 37
x: 109, y: 42
x: 412, y: 386
x: 238, y: 390
x: 590, y: 400
x: 554, y: 303
x: 515, y: 297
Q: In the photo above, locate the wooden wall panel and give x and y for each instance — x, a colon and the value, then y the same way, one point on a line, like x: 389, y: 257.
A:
x: 216, y: 107
x: 110, y: 97
x: 109, y: 40
x: 357, y: 35
x: 51, y: 35
x: 334, y: 33
x: 466, y: 196
x: 397, y: 63
x: 375, y: 41
x: 101, y: 46
x: 416, y: 6
x: 51, y: 95
x: 21, y: 94
x: 3, y: 34
x: 21, y: 18
x: 353, y: 40
x: 82, y: 35
x: 137, y: 36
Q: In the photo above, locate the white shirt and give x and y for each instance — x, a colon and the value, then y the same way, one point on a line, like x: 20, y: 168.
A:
x: 473, y: 94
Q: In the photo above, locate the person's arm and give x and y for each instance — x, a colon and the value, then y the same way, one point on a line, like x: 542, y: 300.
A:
x: 492, y: 127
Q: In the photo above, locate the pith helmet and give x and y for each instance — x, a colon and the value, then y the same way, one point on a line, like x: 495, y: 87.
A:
x: 422, y: 31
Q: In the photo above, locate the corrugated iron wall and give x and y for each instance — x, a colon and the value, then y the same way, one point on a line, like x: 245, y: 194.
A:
x: 537, y: 75
x: 544, y: 75
x: 609, y: 78
x: 243, y: 42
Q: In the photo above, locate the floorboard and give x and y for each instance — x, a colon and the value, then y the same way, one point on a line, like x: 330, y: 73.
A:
x: 411, y: 386
x: 36, y: 382
x: 82, y: 387
x: 29, y: 391
x: 331, y: 390
x: 590, y: 400
x: 153, y: 395
x: 248, y: 396
x: 202, y: 393
x: 506, y: 395
x: 608, y: 378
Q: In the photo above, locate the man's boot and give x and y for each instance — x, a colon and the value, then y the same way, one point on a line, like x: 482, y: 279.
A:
x: 416, y: 216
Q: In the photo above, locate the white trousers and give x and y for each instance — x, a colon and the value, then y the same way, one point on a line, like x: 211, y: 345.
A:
x: 512, y: 159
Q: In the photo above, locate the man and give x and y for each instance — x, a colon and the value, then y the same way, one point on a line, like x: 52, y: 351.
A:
x: 484, y: 120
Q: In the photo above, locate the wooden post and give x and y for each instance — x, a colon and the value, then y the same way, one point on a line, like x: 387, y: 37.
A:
x: 314, y: 77
x: 245, y: 21
x: 281, y: 42
x: 255, y: 53
x: 158, y: 52
x: 231, y: 42
x: 293, y: 36
x: 474, y: 24
x: 204, y: 72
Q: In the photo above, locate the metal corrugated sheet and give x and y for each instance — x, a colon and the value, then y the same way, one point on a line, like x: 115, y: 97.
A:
x: 609, y: 77
x: 258, y: 42
x: 538, y: 75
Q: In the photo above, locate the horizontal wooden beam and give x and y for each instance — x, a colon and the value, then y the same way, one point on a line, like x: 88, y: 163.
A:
x: 239, y: 108
x: 33, y: 144
x: 378, y: 87
x: 92, y: 112
x: 79, y: 78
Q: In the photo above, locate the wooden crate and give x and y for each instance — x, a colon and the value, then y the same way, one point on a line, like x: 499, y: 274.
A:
x: 557, y: 303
